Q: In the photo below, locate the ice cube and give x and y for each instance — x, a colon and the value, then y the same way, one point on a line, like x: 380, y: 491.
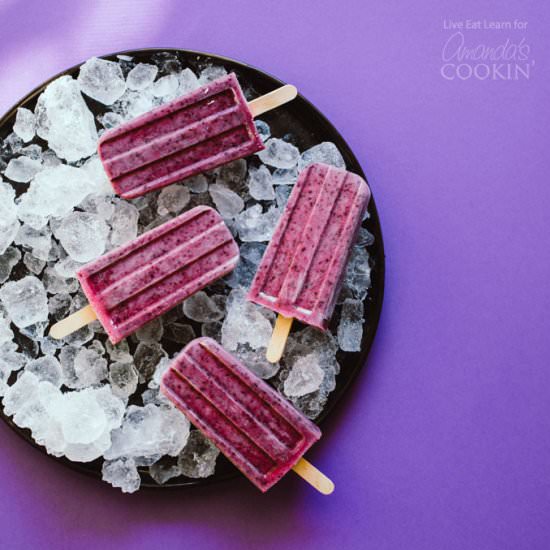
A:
x: 124, y: 223
x: 49, y: 346
x: 90, y: 368
x: 10, y: 359
x: 102, y: 205
x: 282, y: 194
x: 350, y: 328
x: 119, y: 352
x: 81, y: 417
x: 86, y: 452
x: 228, y: 203
x: 166, y: 86
x: 34, y: 332
x: 64, y: 120
x: 151, y: 331
x: 232, y: 173
x: 364, y: 238
x: 154, y: 397
x: 46, y: 368
x: 98, y: 347
x: 113, y: 406
x: 198, y: 458
x: 110, y: 120
x: 210, y: 73
x: 133, y: 104
x: 180, y: 333
x: 50, y: 159
x: 67, y: 267
x: 201, y: 308
x: 160, y: 369
x: 7, y: 234
x: 149, y: 431
x: 188, y: 82
x: 56, y: 252
x: 8, y: 210
x: 212, y: 330
x: 250, y: 256
x: 121, y: 473
x: 81, y: 336
x: 253, y: 225
x: 6, y: 334
x: 54, y: 192
x: 162, y: 472
x: 99, y: 183
x: 123, y: 378
x: 357, y: 278
x: 30, y: 412
x: 304, y: 377
x: 22, y: 169
x: 260, y: 185
x: 83, y: 236
x: 39, y: 241
x: 59, y: 305
x: 34, y: 415
x: 32, y: 151
x: 141, y: 76
x: 8, y: 260
x: 25, y: 124
x: 325, y: 152
x: 279, y: 153
x: 263, y: 129
x: 21, y: 391
x: 146, y: 358
x: 300, y: 344
x: 102, y: 80
x: 255, y: 360
x: 172, y: 199
x: 25, y: 301
x: 282, y: 176
x: 66, y: 360
x: 244, y: 323
x: 11, y: 144
x: 197, y: 184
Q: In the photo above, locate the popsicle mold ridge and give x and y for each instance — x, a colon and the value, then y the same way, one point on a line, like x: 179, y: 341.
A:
x: 302, y: 269
x: 139, y: 281
x: 258, y: 430
x: 191, y: 134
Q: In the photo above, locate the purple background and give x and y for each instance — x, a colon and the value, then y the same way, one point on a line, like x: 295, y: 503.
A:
x: 444, y: 441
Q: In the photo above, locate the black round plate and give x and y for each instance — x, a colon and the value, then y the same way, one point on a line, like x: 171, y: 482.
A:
x: 309, y: 127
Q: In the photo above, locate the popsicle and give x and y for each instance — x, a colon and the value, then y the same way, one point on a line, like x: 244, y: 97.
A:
x: 260, y: 432
x: 303, y: 267
x: 139, y: 281
x: 199, y: 131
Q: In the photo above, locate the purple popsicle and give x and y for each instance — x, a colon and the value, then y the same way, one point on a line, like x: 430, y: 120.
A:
x: 204, y: 129
x: 139, y: 281
x: 260, y: 432
x: 302, y: 269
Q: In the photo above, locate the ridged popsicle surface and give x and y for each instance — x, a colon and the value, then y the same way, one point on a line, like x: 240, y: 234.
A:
x: 302, y: 268
x: 253, y: 425
x: 137, y: 282
x: 193, y: 133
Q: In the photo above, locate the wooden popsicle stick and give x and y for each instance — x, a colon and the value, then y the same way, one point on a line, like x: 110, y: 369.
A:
x: 277, y: 343
x: 273, y: 99
x: 314, y: 477
x: 73, y: 322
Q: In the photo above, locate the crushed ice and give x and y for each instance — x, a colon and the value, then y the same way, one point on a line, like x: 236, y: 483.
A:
x: 82, y: 397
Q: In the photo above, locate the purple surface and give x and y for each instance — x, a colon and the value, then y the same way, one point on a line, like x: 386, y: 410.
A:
x: 444, y: 441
